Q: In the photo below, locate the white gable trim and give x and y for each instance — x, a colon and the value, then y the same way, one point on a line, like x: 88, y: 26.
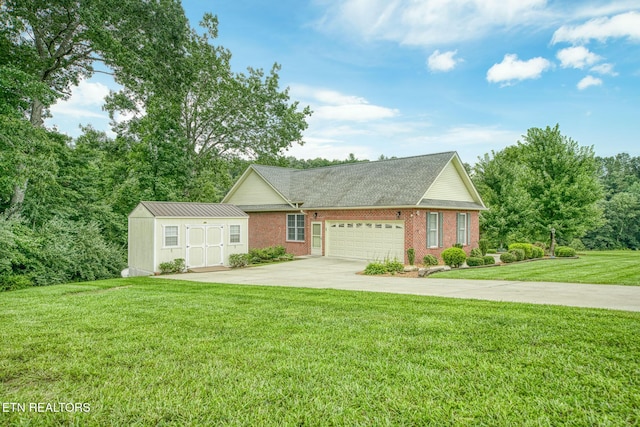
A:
x: 464, y: 176
x: 251, y: 170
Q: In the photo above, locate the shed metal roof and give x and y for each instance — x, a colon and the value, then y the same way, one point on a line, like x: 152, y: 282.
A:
x: 193, y: 210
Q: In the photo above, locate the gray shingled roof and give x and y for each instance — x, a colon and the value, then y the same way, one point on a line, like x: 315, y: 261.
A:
x: 394, y: 182
x: 193, y: 210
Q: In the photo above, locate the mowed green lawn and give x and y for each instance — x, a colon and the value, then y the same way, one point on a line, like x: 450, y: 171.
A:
x: 161, y: 352
x: 607, y: 267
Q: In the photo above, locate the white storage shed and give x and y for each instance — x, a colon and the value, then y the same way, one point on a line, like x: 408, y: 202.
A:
x: 203, y: 234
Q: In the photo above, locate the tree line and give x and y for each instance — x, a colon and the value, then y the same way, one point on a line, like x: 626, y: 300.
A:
x: 193, y: 126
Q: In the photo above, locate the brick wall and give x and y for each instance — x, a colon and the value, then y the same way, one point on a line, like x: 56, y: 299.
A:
x: 270, y: 228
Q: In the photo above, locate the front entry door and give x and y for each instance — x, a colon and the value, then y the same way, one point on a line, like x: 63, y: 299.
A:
x: 316, y: 238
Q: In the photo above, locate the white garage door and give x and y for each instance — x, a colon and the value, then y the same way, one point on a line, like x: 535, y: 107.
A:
x: 370, y: 240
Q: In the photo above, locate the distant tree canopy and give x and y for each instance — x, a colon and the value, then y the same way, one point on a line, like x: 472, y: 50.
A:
x: 545, y: 181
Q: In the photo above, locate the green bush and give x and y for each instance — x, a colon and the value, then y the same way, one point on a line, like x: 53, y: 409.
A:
x: 239, y: 260
x: 58, y: 251
x: 454, y: 257
x: 488, y: 260
x: 476, y: 253
x: 175, y: 266
x: 577, y: 245
x: 565, y: 251
x: 375, y: 268
x: 473, y: 261
x: 429, y: 260
x: 13, y: 283
x: 268, y: 254
x: 526, y: 247
x: 393, y: 266
x: 458, y: 245
x: 537, y: 252
x: 507, y: 257
x: 483, y: 245
x: 518, y: 253
x: 411, y: 255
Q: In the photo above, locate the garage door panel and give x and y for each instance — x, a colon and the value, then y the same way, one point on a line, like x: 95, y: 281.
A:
x: 365, y: 240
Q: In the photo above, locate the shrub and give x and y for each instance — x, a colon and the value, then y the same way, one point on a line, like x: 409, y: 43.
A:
x: 13, y: 283
x: 488, y: 260
x: 375, y: 268
x: 526, y: 247
x: 454, y: 257
x: 268, y: 254
x: 175, y: 266
x: 473, y: 261
x: 537, y: 252
x: 239, y: 260
x: 476, y: 253
x: 577, y: 245
x: 429, y: 260
x: 457, y: 245
x: 565, y: 251
x: 507, y: 257
x: 393, y: 266
x: 411, y: 255
x: 483, y: 245
x: 518, y: 253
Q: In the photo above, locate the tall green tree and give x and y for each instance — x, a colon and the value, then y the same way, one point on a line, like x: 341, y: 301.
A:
x: 499, y: 178
x: 188, y: 129
x: 57, y: 43
x: 563, y: 183
x: 545, y: 181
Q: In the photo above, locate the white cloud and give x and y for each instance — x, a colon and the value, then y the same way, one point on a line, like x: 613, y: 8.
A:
x: 85, y: 101
x: 577, y: 57
x: 511, y: 68
x: 332, y: 105
x: 443, y: 61
x: 589, y: 81
x: 429, y: 22
x: 619, y: 26
x: 604, y: 69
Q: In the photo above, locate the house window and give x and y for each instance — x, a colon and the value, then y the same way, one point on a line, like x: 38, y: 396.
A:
x: 434, y: 229
x: 170, y: 236
x: 295, y: 227
x: 234, y: 234
x: 463, y: 228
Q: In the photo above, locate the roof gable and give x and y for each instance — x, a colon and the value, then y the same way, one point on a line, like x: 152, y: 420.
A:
x: 453, y: 183
x: 260, y: 185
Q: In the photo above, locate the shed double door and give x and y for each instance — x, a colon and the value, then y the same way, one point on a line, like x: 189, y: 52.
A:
x: 205, y: 245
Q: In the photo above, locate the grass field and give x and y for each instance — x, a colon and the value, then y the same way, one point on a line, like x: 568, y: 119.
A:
x: 162, y: 352
x: 607, y: 267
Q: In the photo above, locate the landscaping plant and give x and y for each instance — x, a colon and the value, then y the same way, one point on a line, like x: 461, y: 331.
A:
x: 429, y: 260
x: 411, y: 255
x: 454, y: 257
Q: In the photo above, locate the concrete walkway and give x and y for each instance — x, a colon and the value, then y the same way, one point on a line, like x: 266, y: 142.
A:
x: 334, y: 273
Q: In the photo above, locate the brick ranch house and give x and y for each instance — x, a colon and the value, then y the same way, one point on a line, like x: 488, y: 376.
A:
x: 366, y: 210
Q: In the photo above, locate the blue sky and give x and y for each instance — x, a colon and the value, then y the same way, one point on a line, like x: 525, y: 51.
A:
x: 410, y: 77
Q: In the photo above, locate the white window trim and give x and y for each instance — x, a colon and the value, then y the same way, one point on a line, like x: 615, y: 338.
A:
x: 296, y: 228
x: 461, y: 226
x: 239, y: 234
x: 164, y: 236
x: 436, y: 242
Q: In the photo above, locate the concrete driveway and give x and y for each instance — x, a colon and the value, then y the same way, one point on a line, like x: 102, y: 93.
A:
x: 336, y: 273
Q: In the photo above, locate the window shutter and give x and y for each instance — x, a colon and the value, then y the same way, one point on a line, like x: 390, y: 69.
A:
x: 468, y: 228
x: 440, y: 228
x: 458, y: 227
